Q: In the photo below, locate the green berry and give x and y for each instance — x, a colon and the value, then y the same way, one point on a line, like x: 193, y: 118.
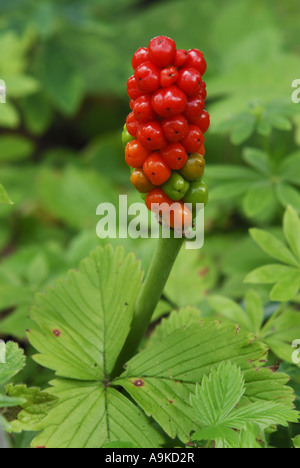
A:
x: 198, y: 193
x: 126, y: 137
x: 194, y: 167
x: 176, y: 187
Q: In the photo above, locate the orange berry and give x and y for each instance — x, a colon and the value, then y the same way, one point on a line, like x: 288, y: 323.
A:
x: 135, y: 154
x: 156, y: 169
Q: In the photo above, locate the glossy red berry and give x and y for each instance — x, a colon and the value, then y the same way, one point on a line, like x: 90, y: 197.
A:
x: 180, y: 58
x: 147, y: 77
x: 132, y: 125
x: 203, y: 122
x: 135, y: 154
x: 131, y: 103
x: 194, y: 139
x: 156, y: 169
x: 162, y: 51
x: 194, y: 108
x: 151, y: 136
x: 175, y: 128
x: 196, y: 60
x: 175, y: 156
x: 203, y: 92
x: 132, y: 90
x: 158, y: 202
x: 168, y: 102
x: 142, y: 109
x: 168, y: 76
x: 141, y: 56
x: 189, y: 81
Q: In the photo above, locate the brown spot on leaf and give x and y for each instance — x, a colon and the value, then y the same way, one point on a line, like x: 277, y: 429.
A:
x: 237, y: 329
x: 275, y: 367
x: 139, y: 383
x: 203, y: 272
x: 171, y: 401
x: 57, y: 333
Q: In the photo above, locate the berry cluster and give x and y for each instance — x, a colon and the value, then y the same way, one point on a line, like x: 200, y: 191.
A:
x: 164, y: 133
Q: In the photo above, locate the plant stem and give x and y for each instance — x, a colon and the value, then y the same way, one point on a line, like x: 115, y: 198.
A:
x: 152, y: 290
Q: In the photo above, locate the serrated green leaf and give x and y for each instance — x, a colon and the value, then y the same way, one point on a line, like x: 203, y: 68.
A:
x: 264, y: 413
x: 218, y: 394
x: 272, y: 246
x: 291, y: 229
x: 33, y: 409
x: 160, y: 377
x: 177, y: 319
x: 14, y: 362
x: 218, y: 405
x: 83, y: 321
x: 258, y: 159
x: 88, y: 415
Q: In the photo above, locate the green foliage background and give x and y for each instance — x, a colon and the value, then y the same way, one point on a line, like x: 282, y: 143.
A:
x: 65, y: 64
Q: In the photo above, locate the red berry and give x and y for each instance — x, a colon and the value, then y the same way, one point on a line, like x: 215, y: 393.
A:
x: 158, y: 197
x: 141, y: 56
x: 175, y: 156
x: 162, y: 51
x: 131, y: 103
x: 175, y: 128
x: 147, y: 77
x: 142, y: 109
x: 168, y: 76
x: 193, y: 140
x: 203, y: 92
x: 203, y: 122
x: 189, y: 81
x: 194, y: 108
x: 132, y: 125
x: 180, y: 58
x: 156, y: 169
x: 196, y: 60
x: 135, y: 154
x: 168, y: 102
x: 151, y: 136
x: 132, y: 90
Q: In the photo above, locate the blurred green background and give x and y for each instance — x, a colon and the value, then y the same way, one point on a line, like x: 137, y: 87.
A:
x: 65, y: 64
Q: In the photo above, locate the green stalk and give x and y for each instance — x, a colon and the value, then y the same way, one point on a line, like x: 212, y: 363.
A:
x: 162, y: 263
